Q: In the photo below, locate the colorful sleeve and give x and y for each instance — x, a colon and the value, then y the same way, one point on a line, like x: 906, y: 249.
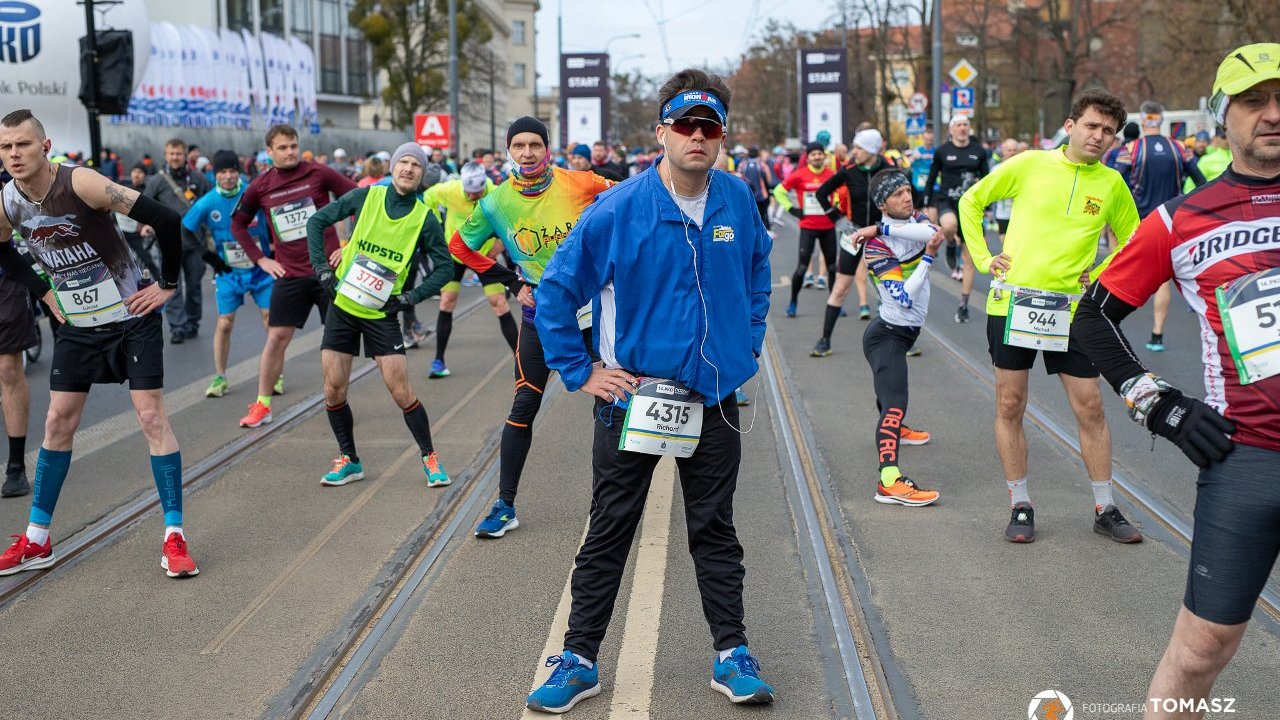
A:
x: 476, y: 230
x: 1142, y: 265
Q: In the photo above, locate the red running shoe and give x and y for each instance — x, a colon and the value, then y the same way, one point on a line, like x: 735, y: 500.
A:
x: 25, y: 555
x: 175, y: 561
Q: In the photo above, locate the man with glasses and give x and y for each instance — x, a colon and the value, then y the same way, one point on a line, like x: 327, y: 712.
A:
x: 1221, y: 245
x: 681, y: 335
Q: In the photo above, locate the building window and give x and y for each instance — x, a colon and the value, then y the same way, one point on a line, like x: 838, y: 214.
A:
x: 329, y: 17
x: 992, y: 99
x: 517, y: 75
x: 353, y: 30
x: 517, y: 32
x: 302, y: 23
x: 357, y: 68
x: 272, y: 19
x: 240, y: 15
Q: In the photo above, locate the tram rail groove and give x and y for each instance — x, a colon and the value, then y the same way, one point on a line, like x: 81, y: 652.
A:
x: 350, y: 656
x: 872, y: 683
x: 1133, y: 490
x: 104, y: 531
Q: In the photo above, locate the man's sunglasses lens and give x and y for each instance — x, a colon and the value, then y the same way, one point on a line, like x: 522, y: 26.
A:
x: 710, y: 128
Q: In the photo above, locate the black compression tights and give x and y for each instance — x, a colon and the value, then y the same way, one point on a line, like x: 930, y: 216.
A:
x: 826, y: 240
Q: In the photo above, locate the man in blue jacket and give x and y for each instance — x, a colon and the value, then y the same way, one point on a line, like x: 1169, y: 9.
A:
x: 681, y: 307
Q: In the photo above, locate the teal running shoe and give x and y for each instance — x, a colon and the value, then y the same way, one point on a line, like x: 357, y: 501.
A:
x: 344, y: 471
x: 738, y: 678
x: 569, y: 684
x: 436, y: 476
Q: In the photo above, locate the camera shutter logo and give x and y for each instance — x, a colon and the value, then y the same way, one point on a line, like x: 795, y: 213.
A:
x: 1050, y: 705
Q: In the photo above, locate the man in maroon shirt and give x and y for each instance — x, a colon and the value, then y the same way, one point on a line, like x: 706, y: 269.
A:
x: 290, y: 193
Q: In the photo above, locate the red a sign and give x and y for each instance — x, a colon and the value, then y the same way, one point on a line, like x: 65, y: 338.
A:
x: 432, y: 129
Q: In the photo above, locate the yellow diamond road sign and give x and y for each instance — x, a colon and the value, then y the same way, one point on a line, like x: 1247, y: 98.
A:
x: 963, y: 73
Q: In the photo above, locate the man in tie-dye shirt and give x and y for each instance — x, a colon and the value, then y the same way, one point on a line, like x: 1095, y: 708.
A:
x: 531, y: 213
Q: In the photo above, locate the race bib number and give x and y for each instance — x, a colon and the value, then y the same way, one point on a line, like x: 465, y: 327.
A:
x: 89, y: 298
x: 236, y: 256
x: 290, y: 219
x: 1038, y: 319
x: 663, y: 418
x: 367, y: 282
x: 1250, y: 310
x: 811, y: 205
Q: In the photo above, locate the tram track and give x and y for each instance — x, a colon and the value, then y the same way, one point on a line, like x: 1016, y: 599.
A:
x: 876, y: 689
x: 113, y: 523
x: 1136, y: 492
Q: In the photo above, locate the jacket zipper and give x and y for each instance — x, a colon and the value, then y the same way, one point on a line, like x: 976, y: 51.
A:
x: 1070, y: 199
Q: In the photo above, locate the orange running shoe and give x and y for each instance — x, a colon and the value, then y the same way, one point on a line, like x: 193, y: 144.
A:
x: 914, y: 437
x: 905, y: 492
x: 259, y: 414
x: 175, y: 560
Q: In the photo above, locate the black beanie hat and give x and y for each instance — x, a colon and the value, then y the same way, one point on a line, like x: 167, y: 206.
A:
x: 527, y: 124
x: 225, y: 160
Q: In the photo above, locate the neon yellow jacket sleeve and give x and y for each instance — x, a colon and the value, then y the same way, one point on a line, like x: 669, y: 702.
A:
x: 1123, y: 220
x: 783, y: 197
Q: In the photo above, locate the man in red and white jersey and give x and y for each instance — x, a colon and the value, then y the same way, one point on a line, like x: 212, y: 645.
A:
x: 1221, y: 246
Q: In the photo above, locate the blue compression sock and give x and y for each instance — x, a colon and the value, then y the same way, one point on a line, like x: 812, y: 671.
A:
x: 167, y: 470
x: 52, y: 467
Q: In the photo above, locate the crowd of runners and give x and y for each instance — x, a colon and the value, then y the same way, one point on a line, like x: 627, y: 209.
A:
x: 1075, y: 237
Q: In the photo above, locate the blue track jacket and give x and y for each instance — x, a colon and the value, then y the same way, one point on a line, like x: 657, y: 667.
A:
x: 628, y: 255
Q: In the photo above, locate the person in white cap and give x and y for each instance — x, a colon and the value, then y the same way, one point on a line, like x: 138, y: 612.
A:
x: 457, y: 198
x: 957, y: 165
x: 342, y: 162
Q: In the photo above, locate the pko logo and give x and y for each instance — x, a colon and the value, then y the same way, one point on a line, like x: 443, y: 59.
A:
x: 19, y: 31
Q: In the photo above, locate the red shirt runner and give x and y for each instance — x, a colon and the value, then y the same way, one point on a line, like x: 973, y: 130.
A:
x: 290, y: 198
x: 804, y: 181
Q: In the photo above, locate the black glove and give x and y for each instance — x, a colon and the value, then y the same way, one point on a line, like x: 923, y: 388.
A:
x: 515, y: 286
x: 397, y: 303
x: 796, y: 212
x: 1197, y: 429
x: 329, y: 282
x: 220, y: 267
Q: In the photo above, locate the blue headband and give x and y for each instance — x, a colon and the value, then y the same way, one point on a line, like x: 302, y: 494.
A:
x: 680, y: 105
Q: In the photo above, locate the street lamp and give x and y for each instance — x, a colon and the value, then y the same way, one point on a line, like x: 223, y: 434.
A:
x: 618, y: 64
x: 631, y: 36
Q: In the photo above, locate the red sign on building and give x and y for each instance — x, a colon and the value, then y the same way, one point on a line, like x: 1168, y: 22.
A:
x: 432, y: 129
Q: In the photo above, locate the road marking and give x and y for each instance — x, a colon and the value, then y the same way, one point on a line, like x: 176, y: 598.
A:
x: 633, y: 691
x: 123, y: 424
x: 313, y: 547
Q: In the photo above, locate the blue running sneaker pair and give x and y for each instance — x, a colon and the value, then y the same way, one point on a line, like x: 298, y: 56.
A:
x: 737, y: 677
x: 570, y: 683
x: 501, y: 518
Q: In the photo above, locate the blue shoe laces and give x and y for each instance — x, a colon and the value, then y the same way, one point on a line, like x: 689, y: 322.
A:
x: 566, y: 662
x: 494, y: 514
x: 746, y: 664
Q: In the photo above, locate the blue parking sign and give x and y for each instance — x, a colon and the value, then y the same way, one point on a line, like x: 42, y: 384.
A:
x: 962, y: 98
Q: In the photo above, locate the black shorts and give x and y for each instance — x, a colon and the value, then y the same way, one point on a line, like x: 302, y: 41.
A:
x: 1072, y: 362
x: 1237, y: 534
x: 130, y: 350
x: 343, y: 331
x: 947, y: 205
x: 17, y: 318
x: 292, y: 300
x: 847, y: 264
x: 1003, y: 224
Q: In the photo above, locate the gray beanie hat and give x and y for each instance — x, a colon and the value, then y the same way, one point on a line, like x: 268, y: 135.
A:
x: 412, y: 149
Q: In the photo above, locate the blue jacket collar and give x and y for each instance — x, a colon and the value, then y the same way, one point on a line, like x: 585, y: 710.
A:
x: 667, y: 208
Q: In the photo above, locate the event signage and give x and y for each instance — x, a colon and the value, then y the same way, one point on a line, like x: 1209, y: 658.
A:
x: 824, y: 81
x: 584, y: 89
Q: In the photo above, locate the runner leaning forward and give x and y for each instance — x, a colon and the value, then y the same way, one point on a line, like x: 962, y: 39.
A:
x: 1221, y: 245
x: 290, y: 192
x: 532, y: 213
x: 898, y: 253
x: 368, y: 291
x: 1062, y: 200
x: 113, y: 327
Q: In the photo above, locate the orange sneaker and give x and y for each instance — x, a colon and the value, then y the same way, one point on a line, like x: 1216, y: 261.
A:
x: 259, y: 414
x: 175, y: 560
x: 914, y: 437
x: 904, y: 492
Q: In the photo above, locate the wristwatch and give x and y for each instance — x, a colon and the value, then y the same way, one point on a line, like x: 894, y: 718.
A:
x: 166, y: 285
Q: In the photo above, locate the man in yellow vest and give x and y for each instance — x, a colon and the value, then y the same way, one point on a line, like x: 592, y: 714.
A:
x: 368, y: 290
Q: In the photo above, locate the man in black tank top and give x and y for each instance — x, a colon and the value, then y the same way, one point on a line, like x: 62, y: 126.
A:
x: 112, y: 332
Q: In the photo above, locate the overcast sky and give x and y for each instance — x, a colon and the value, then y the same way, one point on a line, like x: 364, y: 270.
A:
x: 698, y: 32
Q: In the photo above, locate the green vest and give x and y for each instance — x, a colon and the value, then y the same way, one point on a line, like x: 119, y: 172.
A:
x: 376, y: 259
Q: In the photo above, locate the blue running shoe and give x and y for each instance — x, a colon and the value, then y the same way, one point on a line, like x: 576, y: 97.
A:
x: 741, y: 397
x: 844, y: 313
x: 438, y: 369
x: 791, y: 310
x: 738, y: 678
x: 501, y: 518
x: 570, y: 683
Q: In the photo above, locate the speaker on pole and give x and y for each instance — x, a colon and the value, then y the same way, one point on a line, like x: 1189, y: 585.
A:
x: 114, y: 82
